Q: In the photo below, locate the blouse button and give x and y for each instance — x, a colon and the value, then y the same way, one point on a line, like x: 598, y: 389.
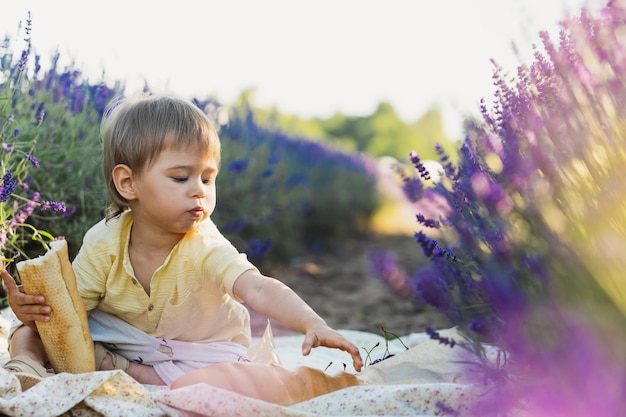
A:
x: 134, y: 281
x: 150, y: 307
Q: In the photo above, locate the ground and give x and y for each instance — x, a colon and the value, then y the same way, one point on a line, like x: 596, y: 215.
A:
x: 339, y: 286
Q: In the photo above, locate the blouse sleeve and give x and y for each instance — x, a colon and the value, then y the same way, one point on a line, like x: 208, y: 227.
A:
x: 90, y: 273
x: 222, y: 262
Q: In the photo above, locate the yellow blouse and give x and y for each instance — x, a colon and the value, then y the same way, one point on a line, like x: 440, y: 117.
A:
x: 191, y: 294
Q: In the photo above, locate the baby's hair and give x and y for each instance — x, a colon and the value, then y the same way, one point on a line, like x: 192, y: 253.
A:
x: 136, y: 130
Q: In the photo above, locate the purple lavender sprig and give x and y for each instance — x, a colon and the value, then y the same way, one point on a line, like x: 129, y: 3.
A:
x: 7, y: 187
x: 434, y: 335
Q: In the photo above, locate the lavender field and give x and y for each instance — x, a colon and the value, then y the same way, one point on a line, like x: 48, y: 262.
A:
x: 519, y: 235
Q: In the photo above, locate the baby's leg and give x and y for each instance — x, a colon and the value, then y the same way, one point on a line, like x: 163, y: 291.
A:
x: 28, y: 357
x: 143, y: 374
x: 271, y: 383
x: 25, y: 341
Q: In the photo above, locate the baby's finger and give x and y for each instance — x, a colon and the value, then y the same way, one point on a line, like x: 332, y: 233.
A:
x: 349, y: 348
x: 16, y: 292
x: 35, y: 300
x: 35, y: 309
x: 357, y: 360
x: 9, y: 282
x: 310, y: 341
x: 30, y: 317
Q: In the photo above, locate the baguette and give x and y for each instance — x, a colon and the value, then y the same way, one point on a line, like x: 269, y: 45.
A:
x: 66, y: 336
x: 271, y: 383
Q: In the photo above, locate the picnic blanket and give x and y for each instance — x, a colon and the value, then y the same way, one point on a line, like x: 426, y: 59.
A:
x: 423, y: 380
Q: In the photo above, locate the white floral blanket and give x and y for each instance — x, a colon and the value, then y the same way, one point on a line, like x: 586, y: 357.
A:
x: 421, y: 381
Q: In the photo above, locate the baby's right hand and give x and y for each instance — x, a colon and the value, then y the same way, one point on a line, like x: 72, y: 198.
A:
x: 27, y: 308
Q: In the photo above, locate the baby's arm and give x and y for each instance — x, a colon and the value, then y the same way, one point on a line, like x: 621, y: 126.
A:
x: 274, y: 299
x: 26, y: 307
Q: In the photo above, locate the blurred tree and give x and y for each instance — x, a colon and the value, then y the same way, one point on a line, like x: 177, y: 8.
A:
x: 391, y: 134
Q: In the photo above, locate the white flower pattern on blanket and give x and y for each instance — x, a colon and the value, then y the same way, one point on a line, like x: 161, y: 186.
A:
x: 113, y: 393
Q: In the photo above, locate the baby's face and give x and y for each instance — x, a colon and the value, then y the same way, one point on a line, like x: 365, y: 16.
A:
x: 177, y: 191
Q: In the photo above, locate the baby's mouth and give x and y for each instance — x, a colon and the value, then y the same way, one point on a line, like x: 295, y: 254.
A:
x: 198, y: 211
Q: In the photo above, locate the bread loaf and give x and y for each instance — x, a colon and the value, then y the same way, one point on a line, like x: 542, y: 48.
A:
x: 66, y: 337
x: 271, y: 383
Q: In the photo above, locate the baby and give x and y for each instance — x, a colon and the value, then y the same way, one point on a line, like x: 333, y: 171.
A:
x: 163, y: 287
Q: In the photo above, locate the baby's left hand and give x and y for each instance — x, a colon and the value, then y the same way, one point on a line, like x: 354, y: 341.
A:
x: 325, y: 336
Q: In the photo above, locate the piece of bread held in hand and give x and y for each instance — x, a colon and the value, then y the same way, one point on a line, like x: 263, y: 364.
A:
x: 66, y: 337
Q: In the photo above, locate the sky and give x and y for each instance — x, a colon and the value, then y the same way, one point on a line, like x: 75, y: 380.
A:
x: 309, y: 58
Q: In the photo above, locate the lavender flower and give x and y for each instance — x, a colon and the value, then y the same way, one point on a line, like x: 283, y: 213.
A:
x: 69, y: 212
x: 257, y: 248
x: 21, y: 66
x: 411, y: 186
x: 423, y: 172
x: 40, y: 114
x: 413, y: 189
x: 427, y: 222
x: 431, y: 248
x: 53, y: 206
x: 384, y: 266
x: 434, y: 335
x: 32, y: 159
x: 432, y: 289
x: 22, y: 214
x: 234, y: 226
x: 8, y: 186
x: 444, y: 158
x: 238, y: 166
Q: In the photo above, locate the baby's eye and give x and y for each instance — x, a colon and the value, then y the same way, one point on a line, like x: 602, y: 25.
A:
x: 208, y: 180
x: 179, y: 179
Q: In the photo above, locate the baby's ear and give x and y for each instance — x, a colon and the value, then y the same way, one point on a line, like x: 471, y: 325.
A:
x: 123, y: 179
